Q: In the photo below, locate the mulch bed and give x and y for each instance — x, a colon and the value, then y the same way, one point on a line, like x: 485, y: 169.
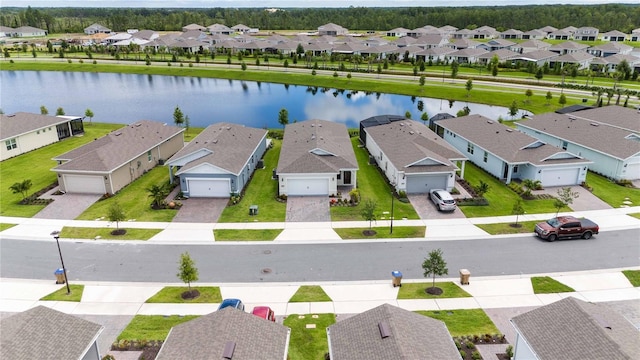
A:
x: 149, y: 349
x: 433, y: 291
x: 190, y: 295
x: 468, y: 344
x: 369, y: 232
x: 118, y: 232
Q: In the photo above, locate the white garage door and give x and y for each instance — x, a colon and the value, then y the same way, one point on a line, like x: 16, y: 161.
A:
x: 209, y: 188
x: 84, y: 184
x: 560, y: 177
x: 633, y: 171
x: 307, y: 187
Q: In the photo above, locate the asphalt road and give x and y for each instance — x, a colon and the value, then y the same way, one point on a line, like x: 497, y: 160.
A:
x: 270, y: 262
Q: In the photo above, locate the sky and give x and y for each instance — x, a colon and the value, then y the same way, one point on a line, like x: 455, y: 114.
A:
x: 289, y: 3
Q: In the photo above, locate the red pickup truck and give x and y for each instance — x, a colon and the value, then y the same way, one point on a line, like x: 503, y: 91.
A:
x: 566, y: 227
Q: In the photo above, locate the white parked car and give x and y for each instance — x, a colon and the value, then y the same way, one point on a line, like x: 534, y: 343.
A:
x: 443, y: 200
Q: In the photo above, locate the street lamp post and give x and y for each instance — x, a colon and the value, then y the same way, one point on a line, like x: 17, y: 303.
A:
x: 56, y: 235
x: 391, y: 227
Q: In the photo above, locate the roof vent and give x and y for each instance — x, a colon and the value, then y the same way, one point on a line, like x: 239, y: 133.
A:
x: 489, y: 121
x: 571, y: 118
x: 118, y: 134
x: 137, y: 124
x: 313, y: 137
x: 215, y: 141
x: 509, y: 130
x: 411, y: 132
x: 385, y: 330
x: 229, y: 348
x: 401, y: 124
x: 595, y: 124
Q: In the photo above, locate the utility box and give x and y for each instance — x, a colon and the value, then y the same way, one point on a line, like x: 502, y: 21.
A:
x: 60, y: 278
x: 464, y: 276
x: 253, y: 210
x: 396, y: 278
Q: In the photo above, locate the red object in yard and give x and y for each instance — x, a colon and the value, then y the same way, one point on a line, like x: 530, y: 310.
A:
x: 264, y: 312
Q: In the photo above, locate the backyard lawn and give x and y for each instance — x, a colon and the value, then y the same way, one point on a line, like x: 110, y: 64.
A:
x: 308, y: 342
x: 36, y: 166
x: 610, y: 192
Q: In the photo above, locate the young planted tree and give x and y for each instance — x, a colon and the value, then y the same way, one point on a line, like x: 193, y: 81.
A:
x: 178, y: 116
x: 563, y: 100
x: 549, y: 96
x: 517, y: 210
x: 283, y: 117
x: 407, y: 114
x: 513, y: 109
x: 59, y: 111
x: 528, y: 94
x: 116, y: 214
x: 565, y: 198
x: 481, y: 188
x: 43, y: 110
x: 469, y: 86
x: 187, y: 272
x: 421, y: 82
x: 454, y: 69
x: 432, y: 266
x: 539, y: 74
x: 368, y: 213
x: 21, y: 188
x: 424, y: 117
x: 88, y: 113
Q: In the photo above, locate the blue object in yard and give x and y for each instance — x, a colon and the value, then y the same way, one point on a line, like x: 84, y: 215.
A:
x: 397, y: 278
x: 60, y: 278
x: 396, y: 273
x: 58, y: 272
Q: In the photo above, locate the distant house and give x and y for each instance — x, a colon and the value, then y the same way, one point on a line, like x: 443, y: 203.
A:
x: 635, y: 35
x: 219, y: 29
x: 412, y: 157
x: 611, y: 48
x: 243, y: 29
x: 596, y: 332
x: 534, y: 35
x: 511, y: 34
x: 219, y: 161
x: 502, y: 55
x: 332, y: 30
x: 389, y: 332
x: 608, y: 136
x: 581, y: 59
x: 6, y: 31
x: 496, y: 44
x: 96, y: 29
x: 226, y: 334
x: 398, y: 32
x: 22, y: 132
x: 568, y: 47
x: 614, y: 35
x: 195, y: 27
x: 510, y: 154
x: 316, y: 158
x: 610, y: 63
x: 538, y: 57
x: 44, y: 333
x: 467, y: 56
x: 111, y: 162
x: 586, y: 33
x: 28, y: 31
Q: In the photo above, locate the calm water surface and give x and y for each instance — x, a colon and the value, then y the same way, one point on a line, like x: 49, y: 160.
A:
x: 126, y: 98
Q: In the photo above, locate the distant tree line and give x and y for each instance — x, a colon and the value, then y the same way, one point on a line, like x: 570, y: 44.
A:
x: 605, y: 17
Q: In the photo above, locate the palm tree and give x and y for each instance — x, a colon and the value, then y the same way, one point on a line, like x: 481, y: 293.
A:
x: 158, y: 193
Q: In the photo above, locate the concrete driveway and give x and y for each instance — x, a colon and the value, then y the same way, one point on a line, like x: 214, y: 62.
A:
x: 585, y: 201
x: 201, y: 210
x: 308, y: 209
x: 427, y: 210
x: 67, y: 206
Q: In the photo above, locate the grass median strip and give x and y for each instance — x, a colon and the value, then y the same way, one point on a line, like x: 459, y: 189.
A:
x: 61, y: 294
x: 547, y: 285
x: 308, y: 342
x: 464, y: 322
x: 417, y: 291
x: 105, y: 233
x: 152, y: 327
x: 633, y: 276
x: 525, y: 227
x: 246, y: 235
x: 310, y: 293
x: 172, y: 295
x: 636, y: 215
x: 4, y: 227
x: 382, y: 233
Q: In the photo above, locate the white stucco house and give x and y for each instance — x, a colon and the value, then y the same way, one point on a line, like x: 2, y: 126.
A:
x: 509, y: 154
x: 316, y: 158
x: 608, y: 136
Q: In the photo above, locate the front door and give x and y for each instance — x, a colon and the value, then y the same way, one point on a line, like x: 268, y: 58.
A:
x: 346, y: 178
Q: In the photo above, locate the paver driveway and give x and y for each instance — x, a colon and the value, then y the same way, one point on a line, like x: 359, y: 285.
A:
x: 67, y: 206
x: 201, y: 210
x: 308, y: 209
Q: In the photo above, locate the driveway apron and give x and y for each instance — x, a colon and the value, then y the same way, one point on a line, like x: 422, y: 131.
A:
x: 201, y: 210
x: 308, y: 209
x: 67, y: 206
x: 427, y: 210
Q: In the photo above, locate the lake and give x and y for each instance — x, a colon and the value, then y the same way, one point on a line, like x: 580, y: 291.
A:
x: 126, y: 98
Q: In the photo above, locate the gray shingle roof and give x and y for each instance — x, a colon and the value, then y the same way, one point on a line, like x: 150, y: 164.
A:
x: 44, y: 333
x: 304, y: 140
x: 578, y: 128
x: 508, y: 144
x: 12, y: 125
x: 413, y: 336
x: 408, y: 142
x: 573, y: 329
x: 205, y: 337
x: 229, y: 146
x: 118, y: 147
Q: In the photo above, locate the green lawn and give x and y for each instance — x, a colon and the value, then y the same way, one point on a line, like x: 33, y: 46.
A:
x: 152, y: 327
x: 310, y: 293
x: 105, y: 233
x: 308, y: 343
x: 172, y: 294
x: 417, y: 291
x: 4, y: 227
x: 464, y: 322
x: 610, y: 192
x: 261, y: 191
x: 246, y: 235
x: 547, y: 285
x: 36, y: 166
x: 506, y: 228
x: 382, y: 232
x: 636, y: 215
x: 135, y: 200
x: 372, y: 186
x: 61, y: 294
x: 633, y: 276
x: 500, y: 197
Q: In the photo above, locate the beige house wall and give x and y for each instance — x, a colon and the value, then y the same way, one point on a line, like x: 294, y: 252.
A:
x: 30, y: 141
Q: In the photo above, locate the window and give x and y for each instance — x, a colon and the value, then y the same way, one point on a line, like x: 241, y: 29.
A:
x: 515, y: 169
x: 486, y: 155
x: 339, y: 176
x: 149, y: 155
x: 11, y: 144
x: 470, y: 148
x: 38, y: 132
x: 564, y: 145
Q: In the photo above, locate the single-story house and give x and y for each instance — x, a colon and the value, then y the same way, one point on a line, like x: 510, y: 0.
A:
x: 572, y: 329
x: 511, y: 34
x: 22, y: 132
x: 568, y: 47
x: 538, y: 57
x: 412, y: 157
x: 375, y: 121
x: 45, y: 333
x: 219, y: 29
x: 433, y: 122
x: 316, y: 157
x: 530, y: 45
x: 608, y: 136
x: 614, y: 35
x: 398, y: 32
x: 96, y: 29
x: 390, y: 332
x: 510, y: 154
x: 226, y: 334
x: 219, y: 161
x: 581, y: 59
x: 191, y: 27
x: 535, y: 34
x: 586, y: 33
x: 111, y: 162
x: 468, y: 55
x: 635, y: 34
x: 28, y: 31
x: 610, y: 49
x: 496, y: 44
x: 332, y: 29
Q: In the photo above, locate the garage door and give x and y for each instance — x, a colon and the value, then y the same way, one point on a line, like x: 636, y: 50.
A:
x: 418, y: 184
x: 209, y: 188
x: 84, y: 184
x: 633, y: 171
x: 307, y: 187
x: 560, y: 177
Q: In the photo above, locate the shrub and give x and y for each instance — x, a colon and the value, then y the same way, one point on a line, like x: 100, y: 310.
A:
x: 476, y: 355
x: 354, y: 195
x: 458, y: 345
x: 463, y: 354
x: 509, y: 351
x: 470, y: 345
x: 402, y: 194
